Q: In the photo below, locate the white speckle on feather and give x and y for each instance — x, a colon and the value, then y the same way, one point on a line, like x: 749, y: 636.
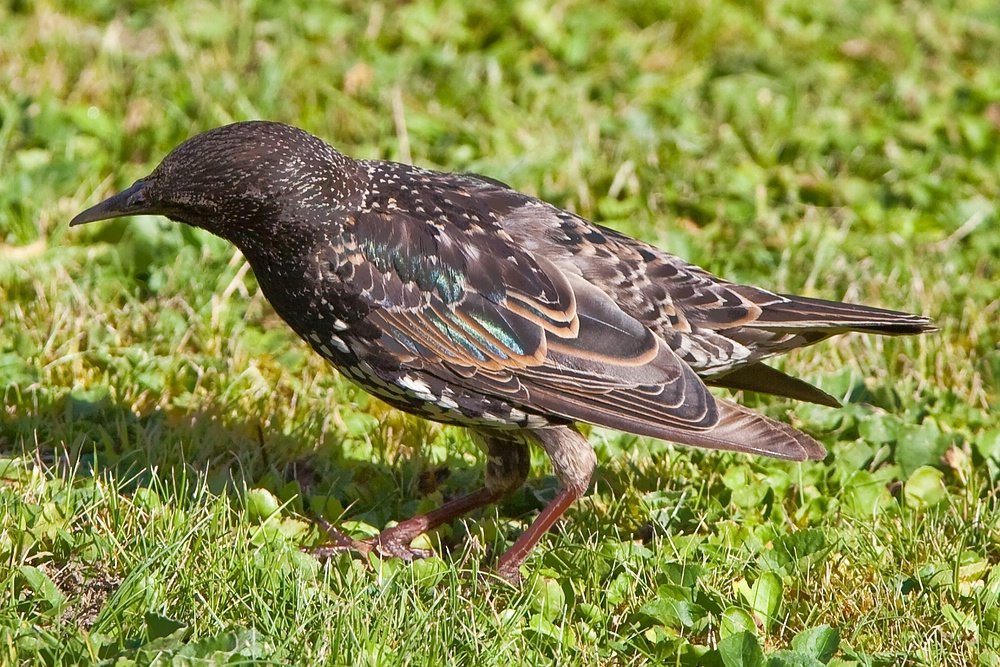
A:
x: 447, y: 400
x: 339, y: 343
x: 418, y: 387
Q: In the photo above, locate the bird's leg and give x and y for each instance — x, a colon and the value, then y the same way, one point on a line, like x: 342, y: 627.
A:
x: 573, y: 461
x: 507, y: 466
x: 506, y: 469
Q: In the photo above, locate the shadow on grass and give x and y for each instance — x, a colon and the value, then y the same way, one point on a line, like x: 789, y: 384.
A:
x: 88, y: 434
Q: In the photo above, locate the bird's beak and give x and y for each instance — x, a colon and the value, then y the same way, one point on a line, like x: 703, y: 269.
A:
x: 132, y: 201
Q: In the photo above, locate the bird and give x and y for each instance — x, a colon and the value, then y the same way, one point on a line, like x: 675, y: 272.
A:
x: 457, y: 298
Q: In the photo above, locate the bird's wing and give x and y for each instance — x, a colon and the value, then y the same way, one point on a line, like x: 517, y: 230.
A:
x: 715, y: 326
x: 467, y: 305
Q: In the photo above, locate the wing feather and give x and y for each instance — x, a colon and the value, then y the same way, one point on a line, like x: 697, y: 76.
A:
x: 521, y: 327
x: 471, y: 309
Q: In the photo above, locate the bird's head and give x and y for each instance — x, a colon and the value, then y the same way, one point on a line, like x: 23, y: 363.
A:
x: 234, y: 179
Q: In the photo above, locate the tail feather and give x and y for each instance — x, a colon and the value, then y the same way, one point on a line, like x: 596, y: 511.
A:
x: 799, y: 312
x: 741, y: 430
x: 764, y: 379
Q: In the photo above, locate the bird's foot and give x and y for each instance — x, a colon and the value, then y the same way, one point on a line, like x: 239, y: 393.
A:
x: 496, y: 575
x: 338, y: 543
x: 512, y: 575
x: 388, y: 547
x: 395, y: 543
x: 390, y: 543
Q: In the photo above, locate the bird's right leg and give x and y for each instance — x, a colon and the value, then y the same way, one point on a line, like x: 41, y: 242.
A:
x: 573, y: 461
x: 506, y: 469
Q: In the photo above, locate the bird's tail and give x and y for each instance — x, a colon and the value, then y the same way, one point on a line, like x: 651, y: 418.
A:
x: 833, y: 317
x: 795, y: 321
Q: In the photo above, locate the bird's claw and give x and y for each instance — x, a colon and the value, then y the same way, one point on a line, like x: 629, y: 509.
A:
x: 387, y: 544
x: 390, y: 549
x: 338, y: 543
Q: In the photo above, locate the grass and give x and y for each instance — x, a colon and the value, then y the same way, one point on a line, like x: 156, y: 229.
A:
x: 165, y: 438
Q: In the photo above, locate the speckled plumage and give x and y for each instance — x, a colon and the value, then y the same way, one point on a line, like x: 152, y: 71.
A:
x: 456, y: 298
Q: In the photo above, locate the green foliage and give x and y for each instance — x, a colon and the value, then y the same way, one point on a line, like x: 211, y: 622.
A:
x: 741, y: 650
x: 165, y: 440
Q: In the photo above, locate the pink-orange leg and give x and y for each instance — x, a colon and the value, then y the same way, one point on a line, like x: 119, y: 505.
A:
x: 509, y: 565
x: 572, y: 460
x: 506, y: 470
x: 395, y: 541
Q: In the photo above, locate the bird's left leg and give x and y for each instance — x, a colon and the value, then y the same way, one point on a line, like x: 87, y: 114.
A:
x: 506, y: 469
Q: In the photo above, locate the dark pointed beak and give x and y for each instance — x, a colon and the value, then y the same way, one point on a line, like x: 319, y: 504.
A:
x: 132, y: 201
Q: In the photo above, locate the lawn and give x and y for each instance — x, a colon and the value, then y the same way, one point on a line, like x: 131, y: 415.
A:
x: 165, y: 439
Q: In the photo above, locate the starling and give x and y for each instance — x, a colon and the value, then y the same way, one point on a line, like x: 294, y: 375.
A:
x: 458, y: 299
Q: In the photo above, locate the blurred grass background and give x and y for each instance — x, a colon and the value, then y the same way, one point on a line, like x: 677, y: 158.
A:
x: 840, y: 150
